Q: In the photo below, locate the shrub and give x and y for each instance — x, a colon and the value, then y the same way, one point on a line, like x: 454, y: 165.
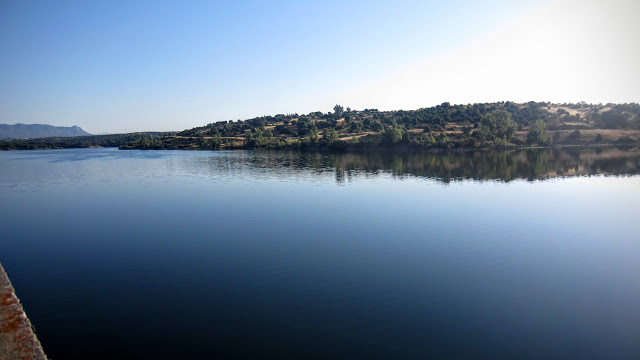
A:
x: 538, y: 135
x: 517, y: 140
x: 575, y: 135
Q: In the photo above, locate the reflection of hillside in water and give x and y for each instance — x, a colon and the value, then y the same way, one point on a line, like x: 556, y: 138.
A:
x: 531, y: 164
x: 494, y: 165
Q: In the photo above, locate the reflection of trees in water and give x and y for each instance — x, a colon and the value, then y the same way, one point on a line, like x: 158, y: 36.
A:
x: 492, y: 165
x: 478, y: 165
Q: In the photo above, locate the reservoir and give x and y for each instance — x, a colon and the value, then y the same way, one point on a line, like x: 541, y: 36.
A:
x: 263, y: 254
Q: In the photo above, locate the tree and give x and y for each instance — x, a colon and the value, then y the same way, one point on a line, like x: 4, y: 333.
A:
x: 613, y: 120
x: 303, y: 125
x: 216, y: 141
x: 599, y: 138
x: 443, y: 140
x: 325, y: 136
x: 429, y: 139
x: 537, y: 134
x: 347, y: 119
x: 575, y: 135
x: 483, y: 133
x: 338, y: 110
x: 249, y: 139
x: 392, y: 135
x: 333, y: 137
x: 499, y: 124
x: 313, y: 135
x: 466, y: 128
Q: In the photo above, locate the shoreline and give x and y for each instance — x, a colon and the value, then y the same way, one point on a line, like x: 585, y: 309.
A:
x: 17, y: 338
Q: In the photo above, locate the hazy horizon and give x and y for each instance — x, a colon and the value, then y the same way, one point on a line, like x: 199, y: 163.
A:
x: 164, y: 66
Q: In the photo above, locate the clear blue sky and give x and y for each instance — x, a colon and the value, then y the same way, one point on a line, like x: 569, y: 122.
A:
x: 120, y: 66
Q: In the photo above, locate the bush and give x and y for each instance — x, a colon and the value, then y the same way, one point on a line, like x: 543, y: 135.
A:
x: 517, y: 140
x: 392, y: 135
x: 575, y: 135
x: 538, y: 135
x: 613, y: 120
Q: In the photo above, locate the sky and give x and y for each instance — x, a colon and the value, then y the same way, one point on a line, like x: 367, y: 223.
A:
x: 124, y: 66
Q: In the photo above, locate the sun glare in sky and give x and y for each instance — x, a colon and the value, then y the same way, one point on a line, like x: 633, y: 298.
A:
x: 556, y: 51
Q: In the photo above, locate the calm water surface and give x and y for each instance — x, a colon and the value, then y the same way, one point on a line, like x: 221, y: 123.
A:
x: 160, y: 254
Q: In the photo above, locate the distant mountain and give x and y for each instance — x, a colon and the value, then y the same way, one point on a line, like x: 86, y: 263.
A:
x: 20, y: 131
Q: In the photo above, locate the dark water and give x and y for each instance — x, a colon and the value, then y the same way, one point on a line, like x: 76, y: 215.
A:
x: 183, y: 255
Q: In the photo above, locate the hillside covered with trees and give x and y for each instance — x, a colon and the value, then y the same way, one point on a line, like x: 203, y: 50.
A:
x: 446, y: 126
x: 114, y: 140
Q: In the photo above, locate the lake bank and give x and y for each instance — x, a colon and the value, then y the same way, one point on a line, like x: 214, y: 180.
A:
x: 17, y: 339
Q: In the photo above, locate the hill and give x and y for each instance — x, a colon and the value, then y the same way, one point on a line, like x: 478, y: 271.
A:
x: 22, y: 131
x: 445, y: 126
